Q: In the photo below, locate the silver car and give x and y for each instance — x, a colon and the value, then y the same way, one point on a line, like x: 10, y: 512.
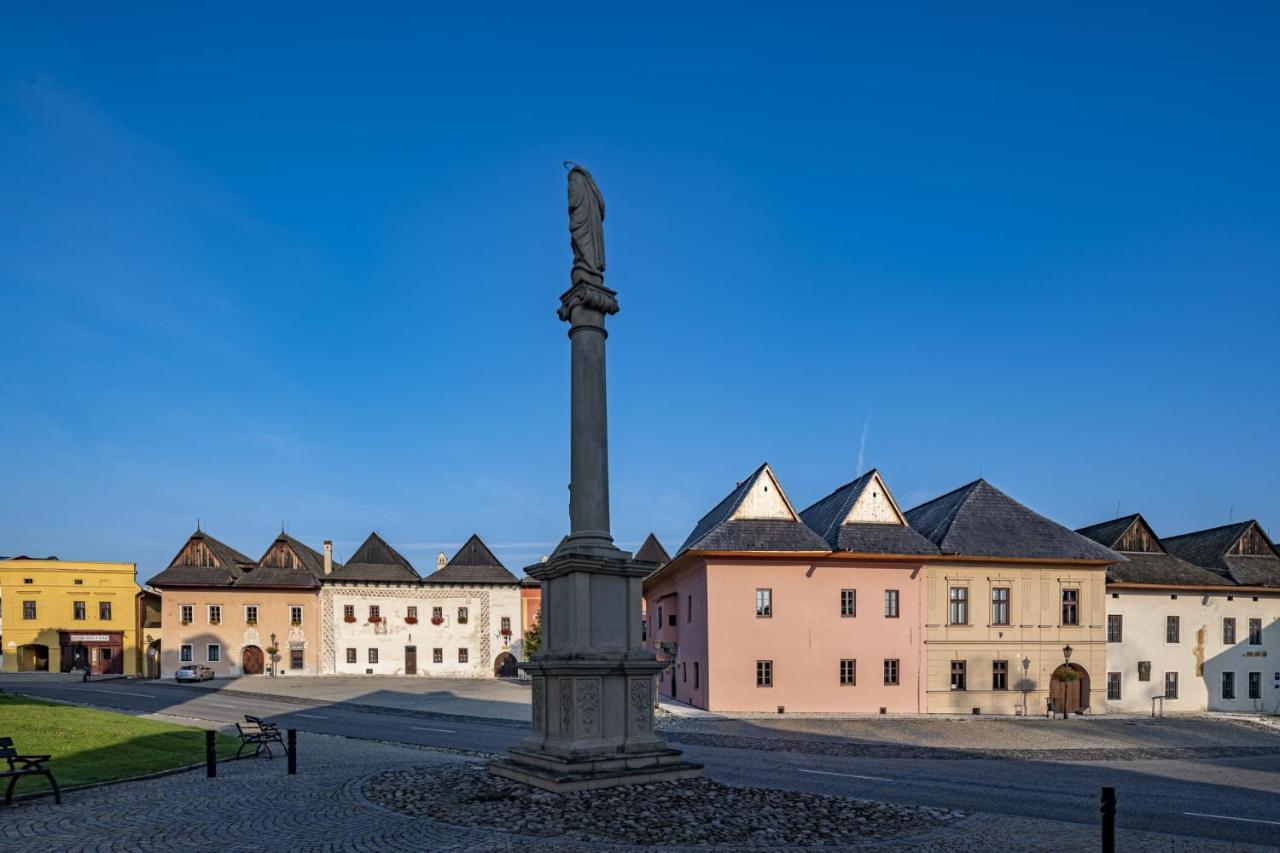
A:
x: 193, y: 672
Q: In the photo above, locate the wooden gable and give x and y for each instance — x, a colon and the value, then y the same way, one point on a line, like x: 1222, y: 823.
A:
x: 1139, y: 539
x: 875, y: 505
x: 765, y: 500
x: 281, y: 556
x: 1252, y: 543
x: 196, y: 553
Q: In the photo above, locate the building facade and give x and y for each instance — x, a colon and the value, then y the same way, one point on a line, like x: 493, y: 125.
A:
x: 63, y: 615
x: 1188, y: 637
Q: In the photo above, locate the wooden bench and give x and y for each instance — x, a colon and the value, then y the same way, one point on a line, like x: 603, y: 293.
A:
x: 260, y: 735
x: 25, y: 765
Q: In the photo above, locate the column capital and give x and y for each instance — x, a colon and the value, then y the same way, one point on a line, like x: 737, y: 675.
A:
x: 593, y: 297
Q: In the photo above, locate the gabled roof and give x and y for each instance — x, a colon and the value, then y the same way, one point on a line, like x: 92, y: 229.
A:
x: 1211, y: 549
x: 375, y: 560
x: 1109, y: 533
x: 651, y: 551
x: 755, y: 516
x: 230, y: 565
x: 1146, y: 567
x: 473, y: 564
x: 842, y: 519
x: 979, y: 520
x: 306, y: 576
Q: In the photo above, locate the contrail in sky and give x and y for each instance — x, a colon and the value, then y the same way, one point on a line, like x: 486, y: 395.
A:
x: 862, y: 445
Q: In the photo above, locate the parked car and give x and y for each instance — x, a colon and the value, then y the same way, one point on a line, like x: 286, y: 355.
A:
x: 193, y: 672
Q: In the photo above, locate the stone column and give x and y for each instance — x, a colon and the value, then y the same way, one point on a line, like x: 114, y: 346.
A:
x: 593, y: 682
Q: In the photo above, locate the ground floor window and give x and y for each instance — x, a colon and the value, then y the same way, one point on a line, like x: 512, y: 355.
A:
x: 891, y: 672
x: 958, y: 675
x: 695, y: 675
x: 437, y: 655
x: 105, y: 655
x: 999, y: 675
x: 295, y: 658
x: 1113, y: 686
x: 373, y: 655
x: 849, y: 672
x: 184, y: 653
x: 351, y: 655
x: 1171, y: 685
x: 1255, y: 685
x: 462, y: 655
x: 1228, y: 685
x: 764, y: 673
x: 214, y: 653
x: 1144, y: 670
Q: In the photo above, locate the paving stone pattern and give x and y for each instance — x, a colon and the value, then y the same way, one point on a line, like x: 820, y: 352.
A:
x: 254, y: 806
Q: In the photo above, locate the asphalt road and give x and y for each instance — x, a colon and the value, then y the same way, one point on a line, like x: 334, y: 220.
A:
x: 1236, y: 799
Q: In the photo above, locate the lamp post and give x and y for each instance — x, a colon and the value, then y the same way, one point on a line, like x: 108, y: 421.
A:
x: 1066, y: 657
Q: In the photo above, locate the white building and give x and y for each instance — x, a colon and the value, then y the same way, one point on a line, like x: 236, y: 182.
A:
x: 381, y: 618
x: 1194, y: 619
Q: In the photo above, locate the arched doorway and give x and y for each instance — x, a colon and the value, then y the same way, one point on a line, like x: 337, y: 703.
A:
x: 1069, y: 689
x: 504, y: 666
x: 153, y: 660
x: 33, y: 657
x: 251, y: 660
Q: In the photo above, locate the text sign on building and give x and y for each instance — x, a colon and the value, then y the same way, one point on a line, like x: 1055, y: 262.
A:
x: 90, y: 638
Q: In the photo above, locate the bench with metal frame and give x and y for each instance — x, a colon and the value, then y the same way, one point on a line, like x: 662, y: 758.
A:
x: 25, y: 765
x: 260, y: 735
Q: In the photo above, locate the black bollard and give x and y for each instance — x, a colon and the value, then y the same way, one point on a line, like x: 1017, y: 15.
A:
x: 293, y: 752
x: 210, y: 754
x: 1108, y: 820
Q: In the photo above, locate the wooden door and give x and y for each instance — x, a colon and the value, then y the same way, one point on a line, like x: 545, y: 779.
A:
x: 252, y: 660
x: 410, y: 660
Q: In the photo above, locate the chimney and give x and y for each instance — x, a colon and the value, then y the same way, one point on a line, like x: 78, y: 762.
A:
x: 328, y: 556
x: 440, y: 561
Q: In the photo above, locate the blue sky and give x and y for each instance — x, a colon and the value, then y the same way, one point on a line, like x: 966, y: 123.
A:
x: 301, y: 266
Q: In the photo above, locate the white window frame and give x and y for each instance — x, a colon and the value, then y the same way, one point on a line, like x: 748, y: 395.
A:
x: 187, y: 613
x: 255, y: 617
x: 186, y: 653
x: 295, y: 608
x: 213, y: 657
x: 209, y: 614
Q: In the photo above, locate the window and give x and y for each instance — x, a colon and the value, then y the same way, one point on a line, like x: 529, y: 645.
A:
x: 1228, y: 631
x: 684, y: 671
x: 958, y: 612
x: 462, y: 655
x: 295, y: 615
x: 1228, y: 685
x: 848, y: 672
x: 891, y: 604
x: 373, y: 655
x: 671, y: 618
x: 186, y: 613
x: 106, y: 653
x: 375, y: 612
x: 764, y: 603
x: 957, y: 674
x: 104, y: 611
x: 411, y: 612
x: 79, y: 581
x: 437, y: 655
x: 1113, y: 686
x: 462, y: 615
x: 28, y: 580
x: 999, y: 675
x: 1071, y: 607
x: 848, y: 602
x: 295, y: 658
x: 891, y: 672
x: 688, y: 616
x: 999, y: 605
x: 659, y: 617
x: 1255, y: 632
x: 505, y: 625
x: 1144, y: 670
x: 764, y: 673
x: 251, y: 614
x: 213, y: 653
x: 437, y: 615
x: 348, y: 613
x: 695, y: 675
x: 1255, y: 685
x: 28, y: 610
x: 1171, y: 685
x: 77, y: 610
x: 184, y: 653
x: 215, y: 614
x: 351, y: 655
x: 1115, y: 628
x: 1172, y: 629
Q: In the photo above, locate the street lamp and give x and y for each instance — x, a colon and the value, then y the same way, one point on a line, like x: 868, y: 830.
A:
x: 1066, y: 653
x: 1066, y: 657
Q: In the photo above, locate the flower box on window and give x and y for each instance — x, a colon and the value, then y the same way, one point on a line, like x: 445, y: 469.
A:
x: 251, y: 621
x: 297, y: 623
x: 411, y: 620
x: 437, y: 620
x: 462, y: 620
x: 374, y: 620
x: 350, y: 618
x: 186, y: 621
x: 506, y: 632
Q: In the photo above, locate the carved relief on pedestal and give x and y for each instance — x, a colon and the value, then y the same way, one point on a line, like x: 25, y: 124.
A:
x: 641, y: 705
x: 566, y: 707
x: 539, y: 702
x: 588, y: 690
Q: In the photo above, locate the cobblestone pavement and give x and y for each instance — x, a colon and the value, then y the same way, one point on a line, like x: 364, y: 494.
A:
x: 254, y: 806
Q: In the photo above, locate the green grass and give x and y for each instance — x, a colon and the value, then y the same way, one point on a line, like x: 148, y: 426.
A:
x: 88, y: 745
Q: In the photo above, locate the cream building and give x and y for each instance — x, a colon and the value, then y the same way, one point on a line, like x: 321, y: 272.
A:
x: 1008, y: 594
x: 1192, y: 637
x: 381, y: 618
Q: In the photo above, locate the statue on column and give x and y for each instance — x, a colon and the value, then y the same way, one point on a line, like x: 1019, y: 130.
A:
x: 586, y: 227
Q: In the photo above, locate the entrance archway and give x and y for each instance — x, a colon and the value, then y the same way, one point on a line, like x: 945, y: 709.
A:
x: 1069, y: 689
x: 251, y: 660
x: 153, y: 660
x: 504, y: 666
x: 33, y: 657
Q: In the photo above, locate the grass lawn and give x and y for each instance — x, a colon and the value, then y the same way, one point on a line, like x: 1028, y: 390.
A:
x: 88, y: 745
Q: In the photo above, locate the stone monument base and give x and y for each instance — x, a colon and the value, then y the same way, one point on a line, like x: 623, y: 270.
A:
x: 563, y: 776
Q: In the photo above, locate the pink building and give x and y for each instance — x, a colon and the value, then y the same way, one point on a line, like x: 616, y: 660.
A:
x: 765, y: 608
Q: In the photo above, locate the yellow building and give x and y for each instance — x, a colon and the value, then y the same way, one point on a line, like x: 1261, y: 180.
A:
x: 60, y: 615
x: 1008, y: 595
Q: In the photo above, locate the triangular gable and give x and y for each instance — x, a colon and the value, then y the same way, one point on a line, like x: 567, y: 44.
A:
x: 764, y: 499
x: 1138, y: 538
x: 875, y: 505
x: 1252, y: 542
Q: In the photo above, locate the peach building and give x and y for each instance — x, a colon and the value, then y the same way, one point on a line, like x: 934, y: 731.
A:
x: 225, y: 610
x: 764, y: 608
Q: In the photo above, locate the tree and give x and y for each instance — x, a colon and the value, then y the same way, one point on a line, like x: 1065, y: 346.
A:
x: 533, y: 638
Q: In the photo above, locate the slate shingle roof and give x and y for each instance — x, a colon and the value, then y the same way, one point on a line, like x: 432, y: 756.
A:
x: 653, y: 552
x: 826, y: 518
x: 1143, y: 566
x: 1108, y: 533
x: 305, y: 577
x: 1210, y: 550
x: 375, y: 560
x: 231, y: 566
x: 979, y: 520
x: 473, y: 564
x: 719, y: 531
